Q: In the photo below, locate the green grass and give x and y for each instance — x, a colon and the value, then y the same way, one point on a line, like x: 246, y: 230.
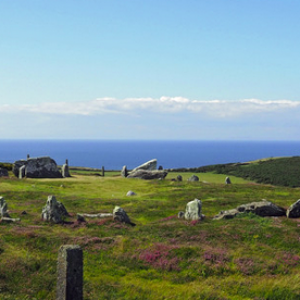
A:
x: 163, y: 257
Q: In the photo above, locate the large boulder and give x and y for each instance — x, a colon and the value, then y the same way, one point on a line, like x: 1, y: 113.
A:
x: 3, y: 208
x: 193, y: 210
x: 3, y: 172
x: 262, y: 208
x: 40, y: 167
x: 144, y: 174
x: 120, y: 215
x: 54, y: 211
x: 149, y: 165
x: 227, y: 180
x: 294, y: 210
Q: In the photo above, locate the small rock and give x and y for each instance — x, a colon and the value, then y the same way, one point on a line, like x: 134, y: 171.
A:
x: 294, y: 210
x: 193, y: 178
x: 130, y: 193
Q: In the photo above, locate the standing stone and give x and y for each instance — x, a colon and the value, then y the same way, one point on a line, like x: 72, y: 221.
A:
x: 22, y: 172
x: 65, y: 171
x: 179, y: 178
x: 294, y: 210
x: 70, y: 273
x: 3, y: 208
x: 193, y: 210
x: 193, y: 178
x: 124, y: 171
x: 103, y: 171
x: 54, y: 210
x: 120, y: 215
x: 227, y: 180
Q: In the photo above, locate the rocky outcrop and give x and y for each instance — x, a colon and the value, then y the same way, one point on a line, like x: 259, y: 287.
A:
x: 40, y: 167
x: 193, y: 210
x: 149, y: 166
x: 262, y: 208
x: 148, y: 175
x: 193, y: 178
x: 120, y: 215
x: 294, y: 210
x: 54, y: 211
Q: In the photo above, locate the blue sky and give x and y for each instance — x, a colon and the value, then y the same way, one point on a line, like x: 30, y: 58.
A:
x: 124, y: 69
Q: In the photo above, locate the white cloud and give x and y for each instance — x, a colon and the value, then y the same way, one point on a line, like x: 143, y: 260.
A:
x: 163, y: 105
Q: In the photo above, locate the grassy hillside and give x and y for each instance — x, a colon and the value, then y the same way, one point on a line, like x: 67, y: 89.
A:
x: 280, y: 171
x: 163, y: 257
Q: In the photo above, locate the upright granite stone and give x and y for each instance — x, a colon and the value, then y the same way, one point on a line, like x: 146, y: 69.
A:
x: 149, y: 166
x: 193, y: 178
x: 120, y: 215
x: 148, y: 175
x: 227, y: 180
x: 193, y: 210
x: 3, y: 172
x: 179, y: 177
x: 294, y: 210
x: 65, y: 172
x: 3, y: 208
x: 40, y: 167
x: 124, y: 172
x: 70, y: 273
x: 54, y: 211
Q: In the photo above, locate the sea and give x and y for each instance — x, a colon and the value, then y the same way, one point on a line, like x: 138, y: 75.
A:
x: 114, y: 154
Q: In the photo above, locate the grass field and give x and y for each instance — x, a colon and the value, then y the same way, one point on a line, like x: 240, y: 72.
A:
x: 162, y: 257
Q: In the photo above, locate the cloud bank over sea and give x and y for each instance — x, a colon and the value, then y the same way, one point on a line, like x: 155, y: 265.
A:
x: 165, y: 105
x: 161, y: 118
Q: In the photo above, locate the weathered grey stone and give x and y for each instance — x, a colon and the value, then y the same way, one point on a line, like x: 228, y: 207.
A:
x: 193, y: 178
x: 193, y: 210
x: 227, y: 180
x: 226, y: 214
x: 124, y: 171
x: 294, y: 210
x: 179, y: 178
x: 93, y: 216
x: 143, y: 174
x: 149, y: 165
x: 3, y: 172
x: 22, y: 172
x: 130, y: 193
x: 54, y: 210
x: 120, y: 215
x: 3, y: 208
x: 10, y: 220
x: 40, y: 167
x: 262, y: 208
x: 70, y: 273
x: 181, y: 215
x: 65, y: 171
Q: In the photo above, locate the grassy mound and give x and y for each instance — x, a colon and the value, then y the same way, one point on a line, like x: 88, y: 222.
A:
x: 280, y: 171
